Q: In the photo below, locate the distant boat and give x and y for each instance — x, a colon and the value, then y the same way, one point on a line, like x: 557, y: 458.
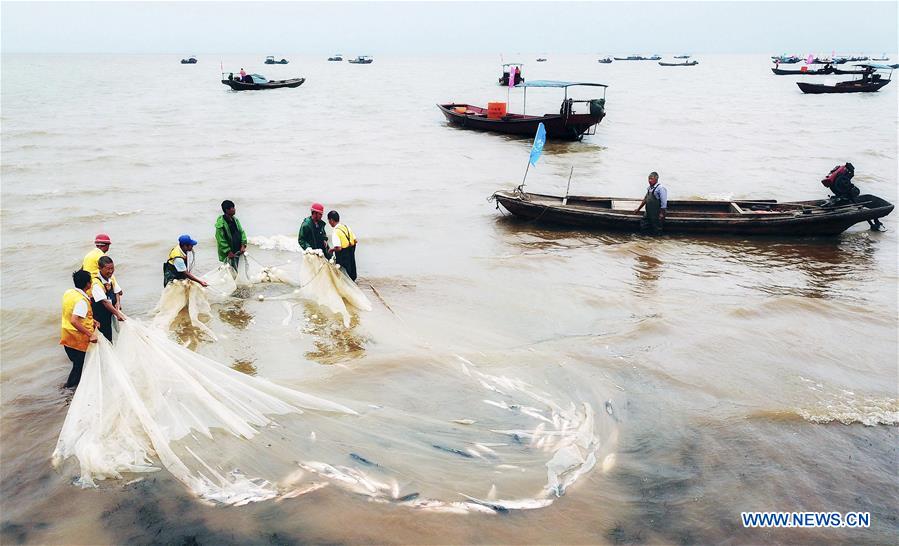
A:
x: 883, y: 57
x: 868, y: 83
x: 189, y: 60
x: 361, y: 59
x: 605, y: 60
x: 821, y: 72
x: 541, y: 60
x: 337, y: 57
x: 631, y: 58
x: 687, y: 63
x: 271, y: 60
x: 565, y: 125
x: 785, y: 59
x: 509, y: 68
x: 682, y: 56
x: 654, y: 58
x: 258, y: 81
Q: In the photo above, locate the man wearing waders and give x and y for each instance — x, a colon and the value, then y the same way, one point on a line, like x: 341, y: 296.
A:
x: 312, y: 231
x: 104, y: 297
x: 230, y: 238
x: 343, y: 244
x: 656, y: 201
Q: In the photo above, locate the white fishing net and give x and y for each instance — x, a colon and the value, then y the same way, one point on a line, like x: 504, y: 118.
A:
x: 489, y: 443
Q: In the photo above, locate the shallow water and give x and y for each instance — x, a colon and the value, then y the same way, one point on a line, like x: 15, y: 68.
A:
x: 744, y: 374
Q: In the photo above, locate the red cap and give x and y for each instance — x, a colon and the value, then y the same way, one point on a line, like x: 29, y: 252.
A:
x: 318, y: 207
x: 102, y: 238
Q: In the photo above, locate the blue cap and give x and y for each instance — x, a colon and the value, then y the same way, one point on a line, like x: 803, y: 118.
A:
x: 186, y: 240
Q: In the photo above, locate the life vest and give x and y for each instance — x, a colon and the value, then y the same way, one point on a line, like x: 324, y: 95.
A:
x: 169, y: 271
x: 91, y: 265
x: 70, y: 336
x: 107, y: 286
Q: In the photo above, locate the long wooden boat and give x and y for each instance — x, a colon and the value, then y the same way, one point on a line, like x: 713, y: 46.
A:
x: 361, y: 59
x: 566, y: 125
x: 739, y: 217
x: 238, y: 85
x: 690, y: 63
x: 827, y: 70
x: 631, y: 58
x: 189, y: 60
x: 854, y: 86
x: 271, y: 60
x: 841, y: 72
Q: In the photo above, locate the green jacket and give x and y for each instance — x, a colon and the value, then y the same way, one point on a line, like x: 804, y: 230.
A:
x: 223, y: 236
x: 312, y: 236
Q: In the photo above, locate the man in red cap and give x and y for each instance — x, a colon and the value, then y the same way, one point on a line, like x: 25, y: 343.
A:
x: 90, y: 264
x: 312, y: 231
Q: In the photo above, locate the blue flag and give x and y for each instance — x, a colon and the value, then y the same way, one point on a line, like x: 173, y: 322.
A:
x: 539, y: 141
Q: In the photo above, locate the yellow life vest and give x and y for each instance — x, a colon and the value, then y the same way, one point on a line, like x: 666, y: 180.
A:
x: 91, y: 265
x: 105, y: 286
x: 71, y: 337
x: 345, y: 235
x: 177, y: 253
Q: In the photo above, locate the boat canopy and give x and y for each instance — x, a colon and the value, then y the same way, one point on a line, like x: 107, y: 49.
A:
x: 258, y: 78
x: 513, y: 64
x: 553, y: 83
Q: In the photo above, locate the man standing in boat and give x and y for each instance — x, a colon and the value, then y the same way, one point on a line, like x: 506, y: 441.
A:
x: 656, y: 201
x: 312, y: 231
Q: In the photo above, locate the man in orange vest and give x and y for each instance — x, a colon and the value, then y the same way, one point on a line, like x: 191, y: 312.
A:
x: 78, y: 327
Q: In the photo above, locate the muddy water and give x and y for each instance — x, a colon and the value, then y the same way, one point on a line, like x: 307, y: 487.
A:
x: 755, y: 374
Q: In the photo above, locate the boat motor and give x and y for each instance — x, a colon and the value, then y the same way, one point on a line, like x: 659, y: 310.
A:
x: 839, y: 181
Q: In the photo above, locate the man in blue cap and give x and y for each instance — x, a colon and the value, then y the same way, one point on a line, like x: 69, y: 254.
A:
x: 181, y: 262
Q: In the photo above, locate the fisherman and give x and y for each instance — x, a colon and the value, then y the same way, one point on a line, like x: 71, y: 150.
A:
x: 312, y: 231
x: 79, y: 329
x: 243, y: 74
x: 104, y: 291
x: 91, y: 265
x: 656, y: 201
x: 230, y: 237
x: 181, y: 262
x: 343, y: 244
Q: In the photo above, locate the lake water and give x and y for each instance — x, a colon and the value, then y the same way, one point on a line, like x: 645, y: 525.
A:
x: 746, y: 374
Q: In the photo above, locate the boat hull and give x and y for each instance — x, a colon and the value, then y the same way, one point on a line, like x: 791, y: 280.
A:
x: 243, y: 86
x: 817, y: 88
x: 557, y: 127
x: 691, y: 63
x: 805, y: 218
x: 821, y: 72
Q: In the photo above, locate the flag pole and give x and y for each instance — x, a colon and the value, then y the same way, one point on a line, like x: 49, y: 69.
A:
x: 565, y: 200
x: 521, y: 187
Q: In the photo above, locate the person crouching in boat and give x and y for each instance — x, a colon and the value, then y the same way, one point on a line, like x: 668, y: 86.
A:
x: 343, y: 244
x: 312, y: 231
x: 79, y: 329
x: 656, y: 201
x: 181, y: 262
x: 104, y: 290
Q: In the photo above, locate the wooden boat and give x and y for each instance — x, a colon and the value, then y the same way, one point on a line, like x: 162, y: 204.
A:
x: 654, y: 58
x: 854, y: 86
x: 189, y: 60
x: 827, y: 70
x: 739, y: 217
x: 688, y: 63
x: 840, y: 72
x: 541, y: 60
x: 682, y: 56
x: 337, y: 57
x: 631, y: 58
x: 792, y: 59
x: 361, y: 59
x: 606, y: 60
x: 566, y: 125
x: 262, y: 83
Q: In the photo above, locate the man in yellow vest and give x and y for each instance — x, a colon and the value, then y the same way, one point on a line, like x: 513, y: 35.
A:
x: 103, y: 293
x: 343, y: 244
x: 89, y: 264
x: 181, y: 262
x: 78, y: 326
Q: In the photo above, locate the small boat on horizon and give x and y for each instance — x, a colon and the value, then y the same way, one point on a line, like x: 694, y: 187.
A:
x: 338, y: 57
x: 631, y: 58
x: 804, y: 71
x: 605, y: 60
x: 682, y: 56
x: 271, y: 60
x: 190, y: 60
x: 361, y: 59
x: 258, y: 82
x: 509, y: 68
x: 686, y: 63
x: 541, y: 60
x: 566, y: 125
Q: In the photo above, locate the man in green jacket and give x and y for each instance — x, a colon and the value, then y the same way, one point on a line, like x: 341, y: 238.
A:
x: 312, y: 231
x: 230, y: 237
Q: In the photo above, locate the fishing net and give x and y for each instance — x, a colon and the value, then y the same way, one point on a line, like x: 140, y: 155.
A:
x: 486, y: 443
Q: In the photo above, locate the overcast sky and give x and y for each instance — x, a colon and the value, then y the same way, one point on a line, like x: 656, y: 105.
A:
x: 448, y: 27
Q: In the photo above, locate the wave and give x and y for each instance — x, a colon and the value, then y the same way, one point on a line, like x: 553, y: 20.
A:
x: 847, y: 407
